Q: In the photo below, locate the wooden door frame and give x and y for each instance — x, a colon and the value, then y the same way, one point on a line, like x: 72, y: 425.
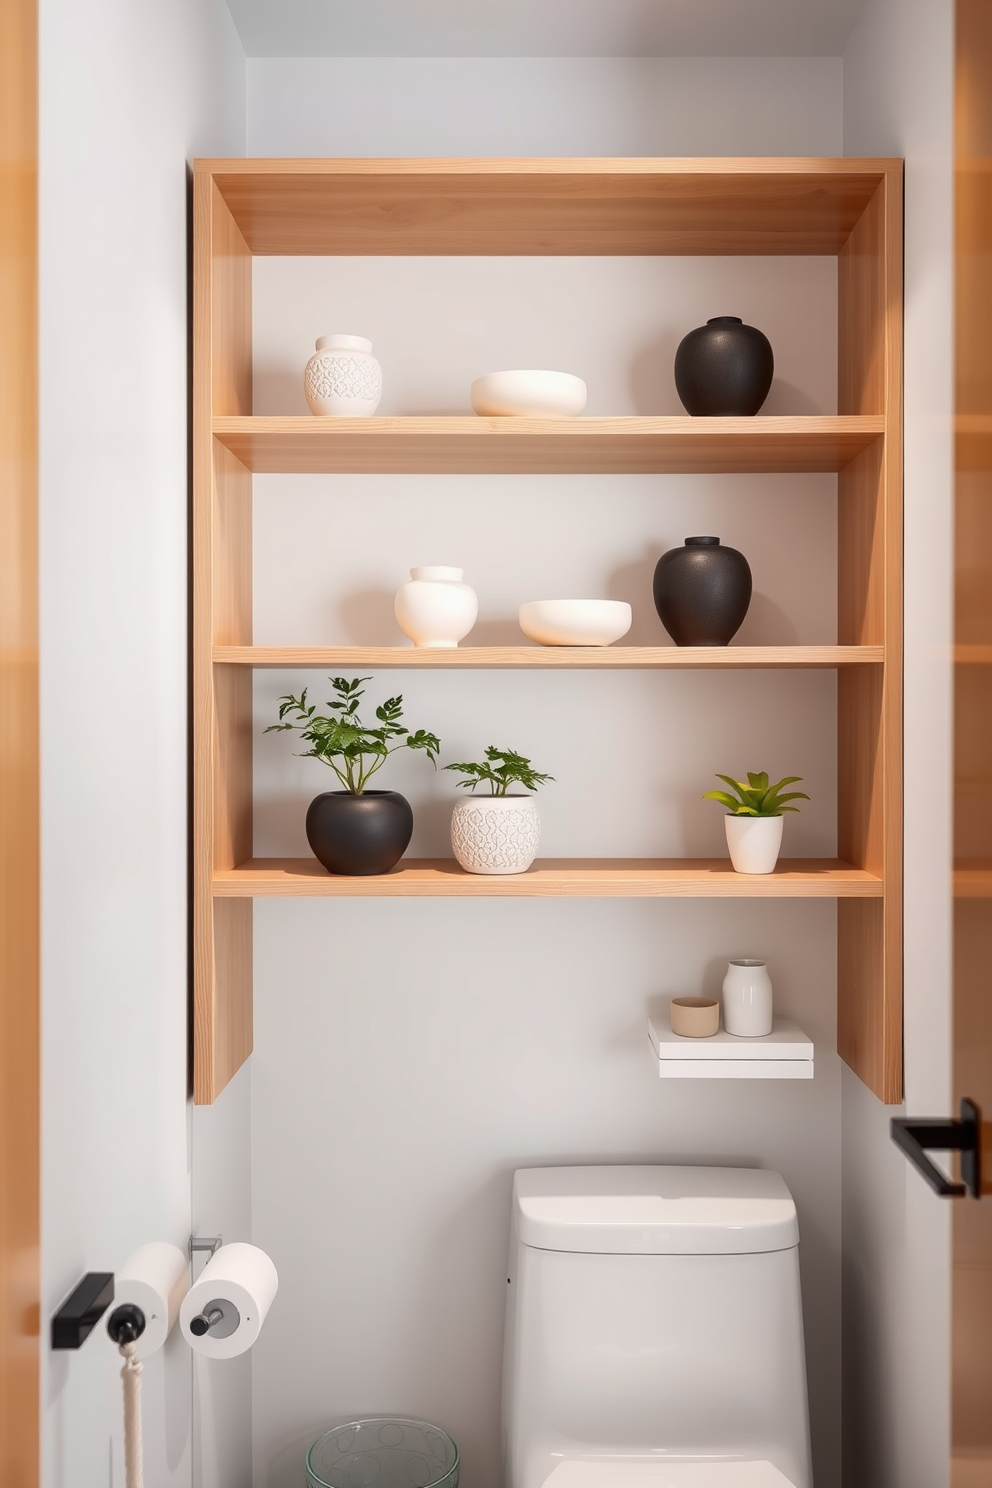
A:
x: 19, y: 813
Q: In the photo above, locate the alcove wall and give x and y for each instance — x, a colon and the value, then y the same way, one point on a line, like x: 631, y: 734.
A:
x: 409, y: 1055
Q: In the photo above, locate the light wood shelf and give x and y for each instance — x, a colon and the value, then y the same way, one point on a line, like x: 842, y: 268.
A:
x: 851, y: 208
x: 568, y: 206
x: 584, y: 878
x: 530, y: 658
x: 531, y: 446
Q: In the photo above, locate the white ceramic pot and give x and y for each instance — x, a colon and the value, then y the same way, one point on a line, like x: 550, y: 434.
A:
x: 343, y: 378
x: 747, y: 999
x: 754, y: 842
x: 529, y: 394
x: 495, y: 834
x: 575, y: 622
x: 436, y: 609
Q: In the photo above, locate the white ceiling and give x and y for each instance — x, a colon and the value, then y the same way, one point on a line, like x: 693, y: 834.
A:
x: 544, y: 28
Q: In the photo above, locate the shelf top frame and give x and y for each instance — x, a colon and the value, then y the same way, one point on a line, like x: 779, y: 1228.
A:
x: 642, y: 205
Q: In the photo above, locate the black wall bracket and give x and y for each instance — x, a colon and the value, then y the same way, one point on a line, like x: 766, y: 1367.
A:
x: 82, y: 1310
x: 917, y: 1137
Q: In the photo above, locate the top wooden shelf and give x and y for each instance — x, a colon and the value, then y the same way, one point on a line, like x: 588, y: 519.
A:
x: 570, y: 206
x: 537, y: 446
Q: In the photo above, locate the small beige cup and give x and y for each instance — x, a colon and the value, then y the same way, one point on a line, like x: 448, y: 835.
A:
x: 695, y: 1017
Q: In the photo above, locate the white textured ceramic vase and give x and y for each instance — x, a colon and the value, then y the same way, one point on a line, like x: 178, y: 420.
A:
x: 436, y: 608
x: 495, y: 834
x: 754, y: 842
x: 747, y: 999
x: 343, y: 378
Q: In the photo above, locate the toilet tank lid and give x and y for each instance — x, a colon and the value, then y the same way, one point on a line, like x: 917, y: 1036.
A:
x: 654, y: 1210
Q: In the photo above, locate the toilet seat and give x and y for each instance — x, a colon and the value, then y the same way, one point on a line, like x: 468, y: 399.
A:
x: 660, y: 1472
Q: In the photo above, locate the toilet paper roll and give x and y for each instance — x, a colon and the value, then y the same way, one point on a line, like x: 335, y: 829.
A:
x: 155, y: 1278
x: 223, y: 1311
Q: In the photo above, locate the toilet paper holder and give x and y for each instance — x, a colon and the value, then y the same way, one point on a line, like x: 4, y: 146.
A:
x: 209, y: 1243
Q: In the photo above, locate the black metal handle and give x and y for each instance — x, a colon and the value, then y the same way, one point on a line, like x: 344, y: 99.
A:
x: 82, y: 1310
x: 936, y: 1134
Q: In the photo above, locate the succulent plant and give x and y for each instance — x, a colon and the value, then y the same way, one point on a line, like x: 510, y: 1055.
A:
x: 755, y: 797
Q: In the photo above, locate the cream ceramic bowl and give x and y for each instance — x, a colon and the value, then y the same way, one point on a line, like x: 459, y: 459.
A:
x: 529, y: 394
x: 575, y: 622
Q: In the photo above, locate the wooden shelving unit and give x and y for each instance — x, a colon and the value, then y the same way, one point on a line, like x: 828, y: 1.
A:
x: 851, y: 208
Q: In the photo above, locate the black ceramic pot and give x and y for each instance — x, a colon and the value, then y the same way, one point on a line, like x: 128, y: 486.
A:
x: 702, y: 591
x: 724, y: 367
x: 358, y: 835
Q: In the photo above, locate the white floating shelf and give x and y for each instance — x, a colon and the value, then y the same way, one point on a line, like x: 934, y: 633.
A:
x: 784, y: 1054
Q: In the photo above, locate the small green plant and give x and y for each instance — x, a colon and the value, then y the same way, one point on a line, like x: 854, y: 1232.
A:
x: 511, y: 769
x: 755, y: 797
x: 342, y: 737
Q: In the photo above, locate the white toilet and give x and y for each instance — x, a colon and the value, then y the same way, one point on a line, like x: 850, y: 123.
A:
x: 654, y: 1332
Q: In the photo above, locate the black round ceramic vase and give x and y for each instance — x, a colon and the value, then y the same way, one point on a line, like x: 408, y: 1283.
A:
x: 724, y: 367
x: 358, y: 835
x: 702, y: 591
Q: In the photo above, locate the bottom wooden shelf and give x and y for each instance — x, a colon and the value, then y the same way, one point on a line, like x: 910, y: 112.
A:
x: 593, y: 878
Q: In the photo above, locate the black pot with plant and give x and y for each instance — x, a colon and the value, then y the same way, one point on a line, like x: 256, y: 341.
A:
x: 355, y: 831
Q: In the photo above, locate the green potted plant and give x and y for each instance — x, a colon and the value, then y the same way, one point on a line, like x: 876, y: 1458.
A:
x: 355, y: 831
x: 754, y: 823
x: 499, y: 831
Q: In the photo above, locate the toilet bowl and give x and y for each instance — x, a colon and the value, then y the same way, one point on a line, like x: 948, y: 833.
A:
x: 654, y: 1331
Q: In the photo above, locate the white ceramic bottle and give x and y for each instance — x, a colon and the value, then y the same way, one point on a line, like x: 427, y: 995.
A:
x: 436, y: 608
x: 747, y: 999
x: 343, y: 378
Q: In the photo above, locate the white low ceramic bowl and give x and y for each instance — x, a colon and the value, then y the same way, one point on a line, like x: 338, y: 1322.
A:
x: 575, y: 622
x: 529, y: 394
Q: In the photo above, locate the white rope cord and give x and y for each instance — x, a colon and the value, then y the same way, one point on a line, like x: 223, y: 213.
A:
x: 131, y: 1376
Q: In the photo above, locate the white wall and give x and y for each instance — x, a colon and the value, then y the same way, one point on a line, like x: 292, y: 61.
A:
x: 544, y: 106
x: 898, y: 99
x: 129, y: 93
x: 409, y: 1056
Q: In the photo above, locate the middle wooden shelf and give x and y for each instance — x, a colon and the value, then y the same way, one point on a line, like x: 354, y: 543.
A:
x: 460, y: 445
x: 589, y: 878
x: 679, y: 658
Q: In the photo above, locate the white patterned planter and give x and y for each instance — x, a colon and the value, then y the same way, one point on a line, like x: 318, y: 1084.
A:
x: 343, y: 378
x: 495, y: 834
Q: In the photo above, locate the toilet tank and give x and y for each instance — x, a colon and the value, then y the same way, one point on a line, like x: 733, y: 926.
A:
x: 653, y: 1312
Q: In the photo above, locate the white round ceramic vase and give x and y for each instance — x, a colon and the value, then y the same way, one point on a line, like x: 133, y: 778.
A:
x: 436, y: 608
x: 495, y: 834
x: 343, y: 378
x: 747, y: 999
x: 754, y: 842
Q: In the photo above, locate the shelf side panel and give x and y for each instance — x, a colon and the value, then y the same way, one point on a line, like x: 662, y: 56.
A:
x: 222, y: 1019
x: 870, y: 613
x: 221, y: 613
x: 230, y: 312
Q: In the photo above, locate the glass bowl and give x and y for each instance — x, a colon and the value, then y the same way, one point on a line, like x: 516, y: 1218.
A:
x: 387, y: 1451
